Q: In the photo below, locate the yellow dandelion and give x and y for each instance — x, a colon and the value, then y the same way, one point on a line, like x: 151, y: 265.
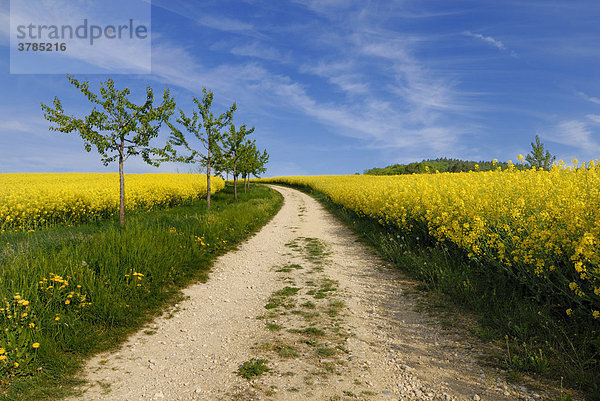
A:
x: 35, y: 345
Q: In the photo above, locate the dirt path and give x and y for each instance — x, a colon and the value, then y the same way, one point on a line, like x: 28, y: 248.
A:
x: 333, y: 321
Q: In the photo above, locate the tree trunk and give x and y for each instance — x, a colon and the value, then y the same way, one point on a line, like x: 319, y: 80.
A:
x: 234, y: 184
x: 121, y: 188
x: 208, y: 181
x: 246, y: 184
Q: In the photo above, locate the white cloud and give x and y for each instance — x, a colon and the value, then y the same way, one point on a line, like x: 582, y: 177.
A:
x: 341, y: 74
x: 326, y: 6
x: 594, y: 117
x: 224, y: 24
x: 16, y: 126
x: 193, y: 11
x: 592, y: 99
x: 378, y: 122
x: 117, y: 55
x: 576, y: 134
x: 389, y: 97
x: 257, y: 50
x: 421, y: 95
x: 487, y: 39
x: 4, y: 28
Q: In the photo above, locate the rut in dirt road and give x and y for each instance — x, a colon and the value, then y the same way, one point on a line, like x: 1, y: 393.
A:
x: 330, y: 320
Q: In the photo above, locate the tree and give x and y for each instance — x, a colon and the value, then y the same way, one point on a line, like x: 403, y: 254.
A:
x: 234, y: 145
x: 207, y: 129
x: 537, y: 158
x: 119, y: 130
x: 253, y: 162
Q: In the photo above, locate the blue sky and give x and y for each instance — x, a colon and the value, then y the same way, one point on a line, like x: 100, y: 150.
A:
x: 339, y: 86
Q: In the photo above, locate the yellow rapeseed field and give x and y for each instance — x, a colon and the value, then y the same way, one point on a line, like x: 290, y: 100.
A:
x: 30, y: 201
x: 539, y: 224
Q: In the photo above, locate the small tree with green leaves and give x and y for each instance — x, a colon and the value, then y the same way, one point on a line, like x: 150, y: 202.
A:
x: 116, y: 127
x: 235, y: 143
x: 253, y: 162
x: 537, y: 158
x: 207, y: 129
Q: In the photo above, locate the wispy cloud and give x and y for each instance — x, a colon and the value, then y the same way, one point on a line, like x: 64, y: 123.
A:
x: 326, y: 6
x: 117, y: 55
x: 594, y: 117
x: 488, y: 39
x: 225, y: 24
x: 16, y: 126
x: 378, y: 122
x: 576, y: 134
x: 193, y: 12
x: 341, y: 74
x: 418, y: 87
x: 592, y: 99
x: 260, y: 51
x: 4, y: 27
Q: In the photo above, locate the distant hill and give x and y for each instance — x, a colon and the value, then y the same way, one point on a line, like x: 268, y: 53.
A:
x: 442, y: 165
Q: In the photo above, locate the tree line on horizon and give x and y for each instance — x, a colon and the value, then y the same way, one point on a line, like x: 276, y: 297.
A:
x: 119, y: 129
x: 538, y: 158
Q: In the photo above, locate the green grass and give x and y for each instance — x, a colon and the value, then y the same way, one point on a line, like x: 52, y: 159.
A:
x: 164, y: 247
x: 282, y: 298
x: 309, y: 305
x: 273, y: 327
x: 504, y: 305
x: 323, y: 350
x: 288, y: 268
x: 287, y: 351
x: 313, y: 249
x: 286, y: 292
x: 253, y: 368
x: 309, y: 331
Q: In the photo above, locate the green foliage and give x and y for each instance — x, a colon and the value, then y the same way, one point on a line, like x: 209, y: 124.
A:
x: 443, y: 165
x: 252, y: 161
x: 525, y: 360
x: 281, y: 298
x: 19, y: 336
x: 274, y: 326
x: 122, y: 129
x: 235, y: 145
x: 286, y: 351
x: 286, y: 292
x: 537, y: 158
x: 253, y: 368
x: 207, y: 128
x: 309, y: 331
x: 323, y: 350
x: 87, y: 287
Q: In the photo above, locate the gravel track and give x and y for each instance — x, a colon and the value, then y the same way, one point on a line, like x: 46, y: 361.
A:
x: 351, y: 331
